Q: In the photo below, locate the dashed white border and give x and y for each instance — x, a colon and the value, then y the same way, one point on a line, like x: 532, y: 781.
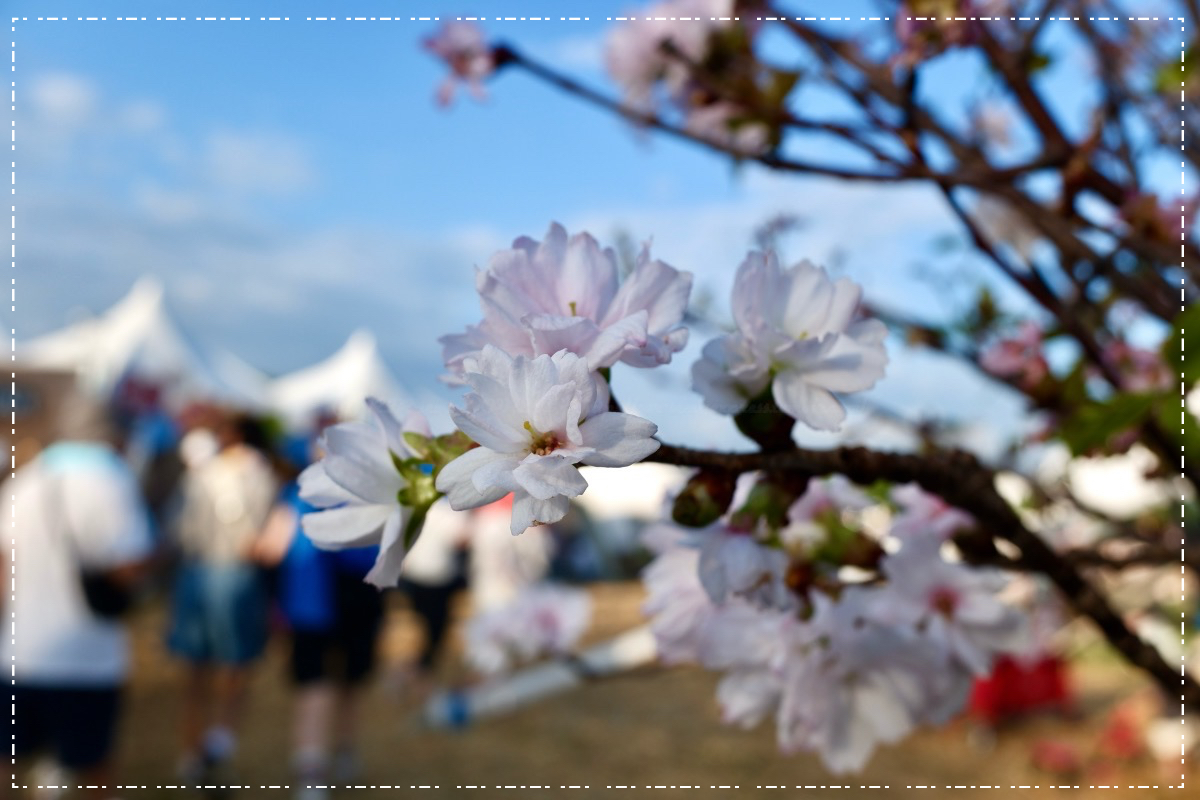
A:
x: 1182, y: 383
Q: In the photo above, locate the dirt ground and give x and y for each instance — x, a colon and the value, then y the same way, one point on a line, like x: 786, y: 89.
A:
x: 653, y: 731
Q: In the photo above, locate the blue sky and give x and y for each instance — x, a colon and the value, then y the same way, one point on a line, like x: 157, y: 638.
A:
x: 292, y: 181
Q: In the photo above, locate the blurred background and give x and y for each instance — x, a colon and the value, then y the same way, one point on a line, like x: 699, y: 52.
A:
x: 256, y: 224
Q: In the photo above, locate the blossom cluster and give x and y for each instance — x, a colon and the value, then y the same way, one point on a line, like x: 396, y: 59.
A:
x: 661, y: 58
x: 556, y: 320
x: 844, y: 665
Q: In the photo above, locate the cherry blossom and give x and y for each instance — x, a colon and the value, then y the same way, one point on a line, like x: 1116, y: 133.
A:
x: 1019, y: 357
x: 953, y: 606
x: 677, y: 603
x: 808, y: 516
x: 1140, y: 370
x: 357, y: 485
x: 535, y: 419
x: 925, y: 517
x: 723, y: 125
x: 796, y: 332
x: 733, y: 564
x: 544, y: 619
x: 850, y: 684
x: 750, y: 645
x: 465, y: 50
x: 635, y: 53
x: 562, y: 293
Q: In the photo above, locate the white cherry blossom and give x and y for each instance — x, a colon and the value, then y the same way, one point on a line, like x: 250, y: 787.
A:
x: 356, y: 485
x: 562, y: 294
x: 544, y: 619
x: 535, y: 419
x: 796, y: 331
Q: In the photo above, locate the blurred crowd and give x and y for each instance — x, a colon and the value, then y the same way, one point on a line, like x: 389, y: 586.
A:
x: 201, y: 507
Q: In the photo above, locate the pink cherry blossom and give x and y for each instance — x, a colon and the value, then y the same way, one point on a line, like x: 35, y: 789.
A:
x: 635, y: 53
x: 1140, y: 370
x: 562, y: 294
x: 465, y: 50
x: 1019, y: 357
x: 797, y: 332
x: 925, y: 517
x: 720, y: 123
x: 954, y: 607
x: 850, y: 685
x: 677, y: 603
x: 735, y: 565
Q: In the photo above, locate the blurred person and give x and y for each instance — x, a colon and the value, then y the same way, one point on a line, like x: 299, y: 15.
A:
x: 335, y: 619
x: 434, y: 570
x: 152, y: 446
x: 219, y: 614
x: 82, y: 541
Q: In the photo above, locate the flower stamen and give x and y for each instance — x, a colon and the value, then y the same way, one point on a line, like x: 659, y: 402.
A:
x: 542, y: 444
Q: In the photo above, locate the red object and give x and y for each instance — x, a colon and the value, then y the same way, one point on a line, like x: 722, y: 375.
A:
x: 1121, y: 739
x: 1058, y: 758
x: 1015, y: 688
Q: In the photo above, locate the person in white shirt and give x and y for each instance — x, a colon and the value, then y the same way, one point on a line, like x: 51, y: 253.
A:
x: 75, y: 508
x: 219, y: 614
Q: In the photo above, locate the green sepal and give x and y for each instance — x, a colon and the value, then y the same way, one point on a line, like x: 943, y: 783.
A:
x: 418, y: 444
x: 416, y: 522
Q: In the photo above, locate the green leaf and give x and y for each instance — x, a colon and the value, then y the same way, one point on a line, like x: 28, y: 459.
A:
x: 1092, y: 425
x: 1178, y: 357
x: 781, y: 85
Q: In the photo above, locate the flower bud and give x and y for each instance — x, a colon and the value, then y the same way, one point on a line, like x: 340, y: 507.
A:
x: 764, y: 422
x: 704, y: 498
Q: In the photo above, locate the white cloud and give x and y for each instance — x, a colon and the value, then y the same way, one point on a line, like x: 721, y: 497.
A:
x: 270, y: 163
x: 63, y: 99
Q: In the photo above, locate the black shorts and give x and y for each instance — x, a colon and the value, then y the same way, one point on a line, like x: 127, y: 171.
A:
x: 344, y: 653
x: 77, y: 725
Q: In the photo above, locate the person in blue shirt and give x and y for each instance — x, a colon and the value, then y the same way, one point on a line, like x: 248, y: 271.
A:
x: 334, y: 620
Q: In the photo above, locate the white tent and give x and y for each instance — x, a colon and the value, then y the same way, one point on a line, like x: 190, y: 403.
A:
x: 340, y: 383
x: 137, y: 337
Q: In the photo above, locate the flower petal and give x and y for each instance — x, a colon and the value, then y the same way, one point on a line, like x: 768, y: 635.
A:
x: 529, y: 511
x: 455, y: 479
x: 484, y: 428
x: 385, y: 574
x: 618, y: 439
x: 816, y: 408
x: 549, y: 476
x: 317, y: 488
x: 346, y: 526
